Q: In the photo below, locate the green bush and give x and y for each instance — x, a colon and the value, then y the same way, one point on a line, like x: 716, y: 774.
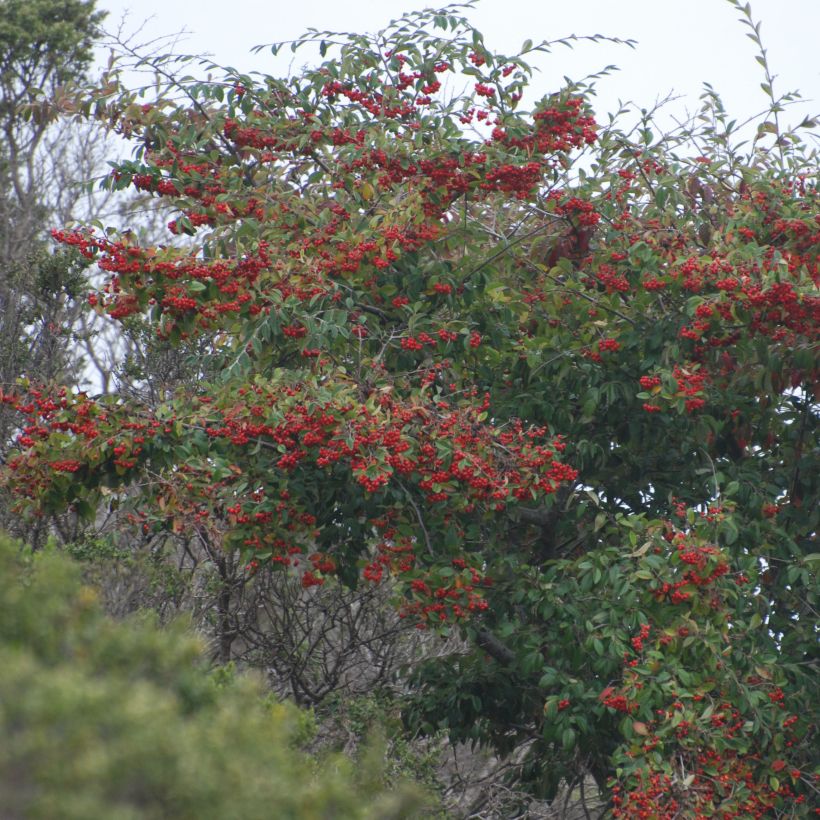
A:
x: 116, y: 720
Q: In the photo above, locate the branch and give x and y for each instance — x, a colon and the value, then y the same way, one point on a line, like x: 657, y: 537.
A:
x: 493, y: 647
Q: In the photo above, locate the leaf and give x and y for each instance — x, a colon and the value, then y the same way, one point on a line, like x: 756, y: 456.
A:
x: 642, y: 550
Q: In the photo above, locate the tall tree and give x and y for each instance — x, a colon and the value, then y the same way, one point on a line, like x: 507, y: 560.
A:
x: 45, y: 45
x: 45, y: 48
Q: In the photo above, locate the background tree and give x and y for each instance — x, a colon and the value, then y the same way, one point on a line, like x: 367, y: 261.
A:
x: 46, y: 46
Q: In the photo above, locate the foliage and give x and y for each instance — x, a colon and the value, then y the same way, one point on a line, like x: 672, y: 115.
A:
x: 122, y: 720
x: 555, y: 380
x: 45, y: 45
x: 58, y: 35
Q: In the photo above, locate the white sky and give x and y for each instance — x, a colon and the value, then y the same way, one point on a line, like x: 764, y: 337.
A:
x: 681, y: 43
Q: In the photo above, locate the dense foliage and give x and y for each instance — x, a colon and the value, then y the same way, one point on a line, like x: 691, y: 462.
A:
x: 551, y: 381
x: 123, y: 720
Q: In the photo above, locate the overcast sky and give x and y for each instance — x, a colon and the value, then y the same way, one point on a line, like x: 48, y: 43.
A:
x: 681, y: 43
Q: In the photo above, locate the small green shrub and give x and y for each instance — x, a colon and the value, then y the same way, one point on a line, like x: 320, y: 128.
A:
x: 121, y: 720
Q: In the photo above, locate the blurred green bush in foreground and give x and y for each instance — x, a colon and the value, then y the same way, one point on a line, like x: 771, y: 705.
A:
x: 116, y: 720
